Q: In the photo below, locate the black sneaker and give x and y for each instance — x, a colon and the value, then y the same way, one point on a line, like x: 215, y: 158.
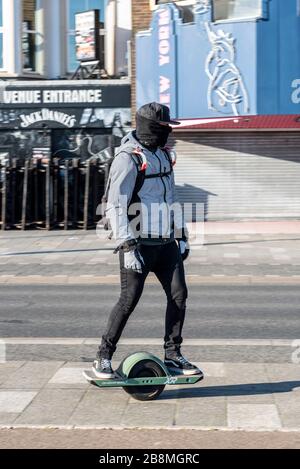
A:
x: 102, y: 368
x: 176, y: 363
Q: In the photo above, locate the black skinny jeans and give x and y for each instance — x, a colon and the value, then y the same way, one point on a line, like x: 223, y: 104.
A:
x: 166, y: 263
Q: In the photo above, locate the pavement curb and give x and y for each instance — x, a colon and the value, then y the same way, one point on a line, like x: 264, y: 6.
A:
x: 147, y: 341
x: 279, y: 352
x: 158, y: 427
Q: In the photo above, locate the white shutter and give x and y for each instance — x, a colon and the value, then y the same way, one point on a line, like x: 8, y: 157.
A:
x: 240, y: 175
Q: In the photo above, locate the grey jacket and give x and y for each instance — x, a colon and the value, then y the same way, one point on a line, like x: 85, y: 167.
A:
x: 161, y: 212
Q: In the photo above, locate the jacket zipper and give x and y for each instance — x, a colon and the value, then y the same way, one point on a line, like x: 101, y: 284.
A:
x: 165, y: 188
x: 161, y: 178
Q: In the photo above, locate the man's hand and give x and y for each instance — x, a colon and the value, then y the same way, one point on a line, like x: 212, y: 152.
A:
x: 133, y: 260
x: 184, y: 248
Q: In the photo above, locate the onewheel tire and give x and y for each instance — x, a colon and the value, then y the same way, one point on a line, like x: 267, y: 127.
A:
x: 147, y: 369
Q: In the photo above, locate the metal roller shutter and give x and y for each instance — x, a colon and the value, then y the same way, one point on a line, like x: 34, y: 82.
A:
x: 240, y: 175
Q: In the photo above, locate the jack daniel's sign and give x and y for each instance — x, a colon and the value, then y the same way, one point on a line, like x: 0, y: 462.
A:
x: 47, y: 115
x: 57, y: 104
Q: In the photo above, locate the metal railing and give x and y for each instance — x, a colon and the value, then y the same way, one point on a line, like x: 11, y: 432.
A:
x: 52, y: 194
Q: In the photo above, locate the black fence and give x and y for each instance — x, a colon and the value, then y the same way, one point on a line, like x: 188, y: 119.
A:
x: 51, y: 194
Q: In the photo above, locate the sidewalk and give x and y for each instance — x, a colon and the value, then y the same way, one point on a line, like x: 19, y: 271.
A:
x: 253, y: 227
x: 249, y: 385
x: 233, y: 396
x: 243, y: 251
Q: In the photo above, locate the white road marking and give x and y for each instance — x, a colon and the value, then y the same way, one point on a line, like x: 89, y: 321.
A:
x: 174, y: 428
x: 231, y: 255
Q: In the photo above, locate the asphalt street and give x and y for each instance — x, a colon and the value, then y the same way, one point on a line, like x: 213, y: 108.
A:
x: 214, y: 311
x: 242, y: 328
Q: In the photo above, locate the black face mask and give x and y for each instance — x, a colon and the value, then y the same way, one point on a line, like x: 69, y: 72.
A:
x: 151, y: 134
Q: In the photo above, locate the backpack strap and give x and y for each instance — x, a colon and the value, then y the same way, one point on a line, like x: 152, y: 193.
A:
x: 170, y: 155
x: 141, y: 165
x: 105, y: 195
x: 140, y: 162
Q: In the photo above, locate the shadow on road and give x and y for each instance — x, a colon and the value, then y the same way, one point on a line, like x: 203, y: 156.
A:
x: 61, y: 251
x: 251, y: 389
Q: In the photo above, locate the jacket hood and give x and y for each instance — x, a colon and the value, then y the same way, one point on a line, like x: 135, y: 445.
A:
x: 129, y: 141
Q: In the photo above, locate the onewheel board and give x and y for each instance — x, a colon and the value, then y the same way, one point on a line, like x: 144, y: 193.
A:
x: 143, y: 376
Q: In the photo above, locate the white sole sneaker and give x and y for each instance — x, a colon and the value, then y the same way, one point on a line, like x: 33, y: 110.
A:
x: 177, y: 371
x: 100, y: 375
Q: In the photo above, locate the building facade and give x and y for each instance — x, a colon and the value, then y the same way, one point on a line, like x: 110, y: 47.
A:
x: 141, y: 18
x: 40, y: 104
x: 222, y: 58
x: 230, y: 69
x: 38, y: 37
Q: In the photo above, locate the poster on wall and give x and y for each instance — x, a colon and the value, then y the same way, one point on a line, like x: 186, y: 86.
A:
x: 81, y: 143
x: 26, y: 45
x: 21, y: 144
x: 156, y: 3
x: 87, y: 35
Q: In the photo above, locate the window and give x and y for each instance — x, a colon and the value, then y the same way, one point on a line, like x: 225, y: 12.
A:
x: 1, y: 35
x: 180, y: 2
x: 78, y: 6
x: 155, y: 3
x: 30, y: 39
x: 234, y: 9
